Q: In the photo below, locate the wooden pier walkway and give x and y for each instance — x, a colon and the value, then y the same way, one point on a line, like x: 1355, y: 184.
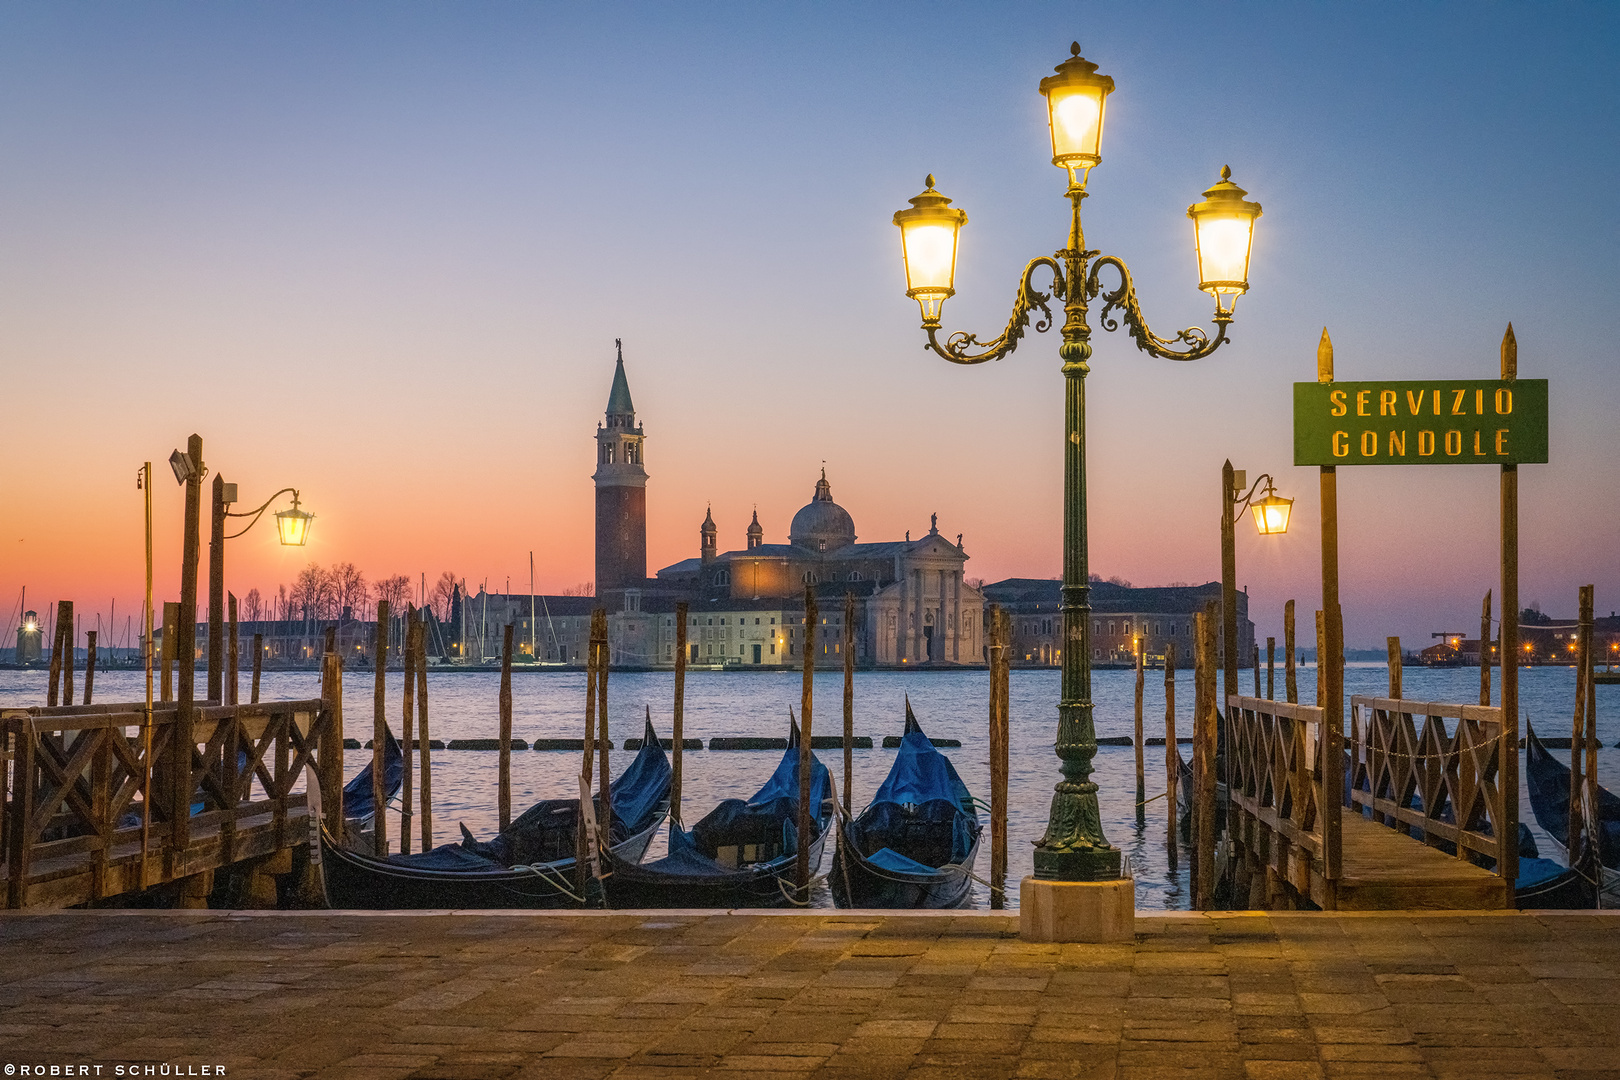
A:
x: 1408, y: 816
x: 102, y: 800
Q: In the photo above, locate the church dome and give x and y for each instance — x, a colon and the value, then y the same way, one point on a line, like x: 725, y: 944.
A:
x: 822, y: 525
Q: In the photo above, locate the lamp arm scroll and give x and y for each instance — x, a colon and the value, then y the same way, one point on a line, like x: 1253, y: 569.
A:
x: 257, y: 514
x: 956, y: 347
x: 1242, y: 503
x: 1199, y: 343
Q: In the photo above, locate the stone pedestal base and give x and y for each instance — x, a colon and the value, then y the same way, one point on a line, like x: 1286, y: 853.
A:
x: 1088, y: 911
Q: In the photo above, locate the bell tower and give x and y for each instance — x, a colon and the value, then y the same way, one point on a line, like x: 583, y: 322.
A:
x: 621, y: 491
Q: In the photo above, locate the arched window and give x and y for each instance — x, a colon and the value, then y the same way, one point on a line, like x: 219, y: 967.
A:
x: 854, y: 575
x: 809, y: 577
x: 722, y: 577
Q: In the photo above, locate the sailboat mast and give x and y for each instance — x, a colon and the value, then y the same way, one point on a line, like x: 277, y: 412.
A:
x: 532, y: 651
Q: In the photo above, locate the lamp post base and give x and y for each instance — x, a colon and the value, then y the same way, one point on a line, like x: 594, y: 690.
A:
x: 1082, y: 911
x: 1084, y: 864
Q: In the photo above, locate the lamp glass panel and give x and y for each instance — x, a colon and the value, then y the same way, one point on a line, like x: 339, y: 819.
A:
x: 930, y: 249
x: 1271, y: 515
x: 1223, y: 252
x: 293, y: 527
x: 1076, y: 118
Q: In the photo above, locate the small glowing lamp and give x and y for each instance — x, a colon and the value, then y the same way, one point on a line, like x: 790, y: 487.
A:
x: 292, y: 526
x: 928, y: 234
x: 1272, y: 512
x: 1076, y: 98
x: 1223, y: 231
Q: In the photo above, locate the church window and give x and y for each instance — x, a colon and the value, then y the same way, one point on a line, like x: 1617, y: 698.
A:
x: 809, y: 577
x: 1096, y: 627
x: 1110, y: 629
x: 854, y: 575
x: 607, y: 453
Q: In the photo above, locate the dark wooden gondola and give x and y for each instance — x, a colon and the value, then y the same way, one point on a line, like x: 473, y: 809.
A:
x: 914, y: 845
x: 742, y: 854
x: 357, y: 793
x: 529, y: 864
x: 1552, y: 885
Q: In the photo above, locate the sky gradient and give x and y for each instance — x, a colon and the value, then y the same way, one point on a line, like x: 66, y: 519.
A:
x: 380, y: 252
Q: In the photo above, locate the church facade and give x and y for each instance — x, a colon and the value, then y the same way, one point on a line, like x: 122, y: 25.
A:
x: 912, y: 602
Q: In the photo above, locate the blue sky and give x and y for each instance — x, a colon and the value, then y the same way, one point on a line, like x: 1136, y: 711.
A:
x: 381, y: 252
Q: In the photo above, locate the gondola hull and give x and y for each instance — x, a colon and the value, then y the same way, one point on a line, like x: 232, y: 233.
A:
x: 858, y: 883
x: 362, y: 882
x: 763, y: 885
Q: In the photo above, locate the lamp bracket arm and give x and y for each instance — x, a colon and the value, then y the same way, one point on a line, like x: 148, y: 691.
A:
x: 956, y: 347
x: 1199, y: 344
x: 1242, y: 502
x: 257, y: 514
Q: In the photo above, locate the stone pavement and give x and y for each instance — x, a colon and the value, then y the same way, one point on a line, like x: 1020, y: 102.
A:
x: 639, y: 996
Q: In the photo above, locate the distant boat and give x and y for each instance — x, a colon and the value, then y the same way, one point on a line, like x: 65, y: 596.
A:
x: 914, y: 845
x: 743, y: 853
x: 529, y: 864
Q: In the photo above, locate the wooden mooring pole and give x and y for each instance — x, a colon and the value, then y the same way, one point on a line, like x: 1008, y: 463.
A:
x: 584, y: 839
x: 604, y: 777
x: 801, y: 871
x: 1172, y: 755
x: 503, y: 783
x: 1394, y: 646
x: 1204, y: 736
x: 1000, y: 625
x: 1582, y: 765
x: 379, y: 732
x: 233, y: 659
x: 679, y: 734
x: 1290, y: 678
x: 407, y: 796
x: 1271, y: 669
x: 422, y: 727
x: 1485, y: 650
x: 1508, y: 645
x: 258, y: 667
x: 89, y: 665
x: 849, y: 696
x: 1141, y: 683
x: 171, y: 648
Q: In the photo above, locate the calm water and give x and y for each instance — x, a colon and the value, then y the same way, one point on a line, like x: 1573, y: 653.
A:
x: 948, y: 704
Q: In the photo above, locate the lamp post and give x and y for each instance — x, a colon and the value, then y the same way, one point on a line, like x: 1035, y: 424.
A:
x: 292, y: 528
x: 1074, y: 848
x: 1271, y: 514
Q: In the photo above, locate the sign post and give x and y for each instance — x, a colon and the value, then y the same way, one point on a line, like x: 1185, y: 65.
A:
x: 1425, y: 422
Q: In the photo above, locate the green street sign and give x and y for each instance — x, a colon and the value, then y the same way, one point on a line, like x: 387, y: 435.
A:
x: 1425, y: 422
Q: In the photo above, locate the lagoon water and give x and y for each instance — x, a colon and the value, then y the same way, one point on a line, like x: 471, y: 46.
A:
x: 950, y: 704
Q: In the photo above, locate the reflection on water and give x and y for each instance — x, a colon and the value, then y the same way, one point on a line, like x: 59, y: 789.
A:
x: 948, y: 704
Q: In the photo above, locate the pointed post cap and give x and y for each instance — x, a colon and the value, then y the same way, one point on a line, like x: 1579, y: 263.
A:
x: 1324, y: 358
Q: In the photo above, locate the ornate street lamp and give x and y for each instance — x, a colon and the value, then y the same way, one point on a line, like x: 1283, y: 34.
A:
x: 292, y: 526
x: 1074, y: 848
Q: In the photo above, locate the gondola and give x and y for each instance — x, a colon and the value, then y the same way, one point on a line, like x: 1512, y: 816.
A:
x: 529, y: 864
x: 357, y: 793
x: 743, y: 853
x: 1543, y: 883
x: 1548, y: 781
x: 914, y: 845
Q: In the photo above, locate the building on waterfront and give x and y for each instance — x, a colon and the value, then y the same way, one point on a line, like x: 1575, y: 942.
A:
x: 913, y: 604
x: 1121, y: 616
x: 621, y: 493
x: 1542, y: 640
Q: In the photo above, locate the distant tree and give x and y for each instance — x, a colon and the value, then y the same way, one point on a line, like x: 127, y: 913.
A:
x: 253, y: 605
x: 396, y: 590
x: 974, y: 582
x: 281, y: 596
x: 313, y: 593
x: 1121, y: 582
x: 443, y: 589
x: 350, y: 592
x: 584, y: 588
x: 1532, y: 616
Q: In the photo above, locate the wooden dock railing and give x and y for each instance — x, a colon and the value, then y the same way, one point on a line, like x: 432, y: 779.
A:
x: 1417, y: 792
x: 99, y: 802
x: 1286, y: 803
x: 1440, y: 780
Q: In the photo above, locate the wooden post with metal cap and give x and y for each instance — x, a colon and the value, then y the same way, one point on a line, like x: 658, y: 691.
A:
x: 1509, y: 635
x: 379, y: 734
x: 1330, y: 661
x: 849, y: 696
x: 679, y: 733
